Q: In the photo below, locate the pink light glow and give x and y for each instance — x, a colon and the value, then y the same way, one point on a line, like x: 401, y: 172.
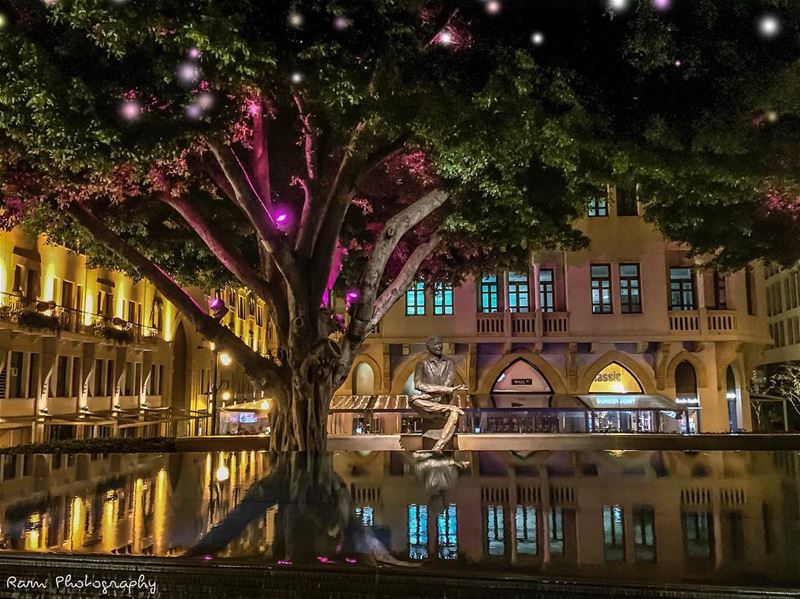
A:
x: 216, y: 303
x: 281, y: 217
x: 285, y: 562
x: 493, y: 7
x: 323, y: 559
x: 207, y: 557
x: 353, y: 294
x: 193, y: 53
x: 131, y: 110
x: 336, y: 267
x: 350, y: 560
x: 341, y: 23
x: 662, y: 4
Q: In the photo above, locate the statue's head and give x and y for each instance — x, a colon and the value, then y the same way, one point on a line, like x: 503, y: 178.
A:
x: 434, y: 345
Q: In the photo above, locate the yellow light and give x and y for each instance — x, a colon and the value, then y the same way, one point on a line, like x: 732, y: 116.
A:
x: 225, y: 359
x: 88, y: 306
x: 226, y: 395
x: 222, y: 474
x: 265, y: 404
x: 49, y: 283
x: 212, y: 346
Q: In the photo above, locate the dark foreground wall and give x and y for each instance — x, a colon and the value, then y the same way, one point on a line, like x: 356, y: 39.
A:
x: 185, y: 579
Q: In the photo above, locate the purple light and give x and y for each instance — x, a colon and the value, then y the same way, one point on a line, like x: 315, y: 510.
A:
x: 193, y: 112
x: 188, y: 72
x: 352, y: 296
x: 341, y: 23
x: 323, y: 559
x: 207, y: 557
x: 193, y: 53
x: 350, y: 560
x: 205, y: 100
x: 284, y: 562
x: 216, y: 303
x: 662, y: 4
x: 281, y: 217
x: 131, y: 110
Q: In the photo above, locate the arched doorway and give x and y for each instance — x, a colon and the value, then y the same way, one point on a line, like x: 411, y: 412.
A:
x: 363, y: 380
x: 686, y: 393
x: 521, y: 377
x: 733, y: 397
x: 179, y: 347
x: 613, y: 412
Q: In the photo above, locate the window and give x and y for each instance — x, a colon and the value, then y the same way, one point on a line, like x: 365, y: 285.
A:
x: 251, y: 305
x: 61, y: 376
x: 681, y: 289
x: 259, y: 316
x: 495, y: 530
x: 98, y: 378
x: 417, y: 531
x: 447, y: 533
x: 365, y: 515
x: 626, y: 201
x: 442, y: 300
x: 76, y: 376
x: 240, y: 312
x: 17, y: 279
x: 601, y: 289
x: 15, y: 377
x: 33, y: 375
x: 32, y: 288
x: 556, y: 540
x: 720, y: 291
x: 518, y: 292
x: 630, y: 300
x: 489, y: 298
x: 598, y: 206
x: 66, y: 294
x: 644, y: 534
x: 698, y: 534
x: 415, y: 300
x: 109, y: 377
x: 547, y: 292
x: 525, y: 521
x: 613, y: 533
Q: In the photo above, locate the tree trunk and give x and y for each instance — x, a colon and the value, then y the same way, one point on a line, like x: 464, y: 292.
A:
x: 300, y: 422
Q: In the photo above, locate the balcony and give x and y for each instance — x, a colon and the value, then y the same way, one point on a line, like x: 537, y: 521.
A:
x: 522, y: 324
x: 707, y: 322
x: 49, y: 317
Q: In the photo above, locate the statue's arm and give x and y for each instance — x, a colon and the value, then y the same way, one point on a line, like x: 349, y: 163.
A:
x: 450, y: 377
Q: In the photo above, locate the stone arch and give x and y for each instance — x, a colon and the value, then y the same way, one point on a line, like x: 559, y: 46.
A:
x: 376, y: 372
x: 406, y: 369
x: 488, y: 378
x: 699, y: 368
x: 645, y: 378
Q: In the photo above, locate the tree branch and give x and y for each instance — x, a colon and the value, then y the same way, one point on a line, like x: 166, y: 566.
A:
x: 260, y: 155
x: 365, y: 317
x: 229, y: 257
x: 262, y: 371
x: 256, y: 212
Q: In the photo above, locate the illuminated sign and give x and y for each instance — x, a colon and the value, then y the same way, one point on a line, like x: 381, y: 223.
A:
x: 615, y: 401
x: 615, y: 378
x: 522, y: 381
x: 691, y: 401
x: 247, y: 418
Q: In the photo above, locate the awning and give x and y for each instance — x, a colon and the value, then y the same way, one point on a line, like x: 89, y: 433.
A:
x: 537, y: 401
x: 630, y: 401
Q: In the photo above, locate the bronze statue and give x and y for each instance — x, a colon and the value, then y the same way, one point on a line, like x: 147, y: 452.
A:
x: 434, y: 377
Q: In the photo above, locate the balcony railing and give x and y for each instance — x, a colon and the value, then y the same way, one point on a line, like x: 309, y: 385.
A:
x: 49, y: 316
x: 684, y: 321
x: 703, y: 321
x: 555, y: 323
x: 491, y: 323
x: 523, y: 323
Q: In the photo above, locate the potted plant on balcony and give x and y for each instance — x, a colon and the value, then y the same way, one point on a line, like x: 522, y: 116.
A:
x: 37, y: 320
x: 117, y: 330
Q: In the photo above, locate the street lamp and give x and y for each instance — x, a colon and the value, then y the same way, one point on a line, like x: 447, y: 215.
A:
x: 226, y: 360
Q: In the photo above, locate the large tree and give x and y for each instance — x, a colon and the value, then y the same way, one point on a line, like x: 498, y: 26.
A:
x: 302, y: 149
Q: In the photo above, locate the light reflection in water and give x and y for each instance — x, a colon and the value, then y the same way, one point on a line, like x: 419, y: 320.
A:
x: 722, y: 517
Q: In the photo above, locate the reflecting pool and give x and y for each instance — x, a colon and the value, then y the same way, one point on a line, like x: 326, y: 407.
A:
x: 722, y: 517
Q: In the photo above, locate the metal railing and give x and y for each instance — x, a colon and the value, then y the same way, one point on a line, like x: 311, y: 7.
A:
x: 48, y: 315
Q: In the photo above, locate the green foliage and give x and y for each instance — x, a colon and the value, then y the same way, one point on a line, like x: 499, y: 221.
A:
x: 521, y: 135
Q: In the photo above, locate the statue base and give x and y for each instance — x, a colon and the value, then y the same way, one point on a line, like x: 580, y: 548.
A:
x: 425, y: 441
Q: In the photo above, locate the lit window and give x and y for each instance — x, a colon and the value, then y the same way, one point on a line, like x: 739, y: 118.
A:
x: 681, y: 289
x: 629, y: 286
x: 547, y: 293
x: 598, y: 206
x: 495, y: 530
x: 489, y: 298
x: 415, y: 300
x: 518, y: 292
x: 365, y: 515
x: 556, y: 540
x: 417, y: 531
x: 601, y: 289
x: 698, y: 538
x: 442, y: 300
x: 526, y: 530
x: 644, y: 535
x: 613, y: 533
x: 447, y: 533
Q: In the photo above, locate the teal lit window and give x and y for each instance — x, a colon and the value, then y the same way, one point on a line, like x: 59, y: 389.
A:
x: 417, y: 531
x: 365, y: 515
x: 598, y: 206
x: 613, y: 533
x: 495, y: 530
x: 489, y: 298
x: 442, y: 300
x: 525, y: 520
x: 447, y: 533
x: 415, y: 300
x: 518, y: 292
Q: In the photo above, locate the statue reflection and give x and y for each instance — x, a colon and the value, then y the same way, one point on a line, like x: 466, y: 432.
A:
x: 314, y: 518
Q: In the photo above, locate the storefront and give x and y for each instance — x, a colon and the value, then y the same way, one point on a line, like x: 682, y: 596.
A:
x: 251, y: 418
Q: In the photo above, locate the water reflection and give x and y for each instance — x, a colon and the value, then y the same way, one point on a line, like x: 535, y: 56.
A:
x: 725, y: 517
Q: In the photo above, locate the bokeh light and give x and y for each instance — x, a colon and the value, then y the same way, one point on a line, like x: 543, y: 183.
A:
x: 131, y: 110
x: 188, y: 72
x: 769, y: 26
x: 537, y: 38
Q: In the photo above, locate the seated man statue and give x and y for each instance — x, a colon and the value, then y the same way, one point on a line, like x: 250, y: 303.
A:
x: 434, y: 377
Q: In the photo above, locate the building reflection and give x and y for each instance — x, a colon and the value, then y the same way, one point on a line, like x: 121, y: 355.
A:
x: 721, y: 517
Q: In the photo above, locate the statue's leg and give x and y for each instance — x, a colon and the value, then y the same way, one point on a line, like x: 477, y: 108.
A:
x: 449, y: 429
